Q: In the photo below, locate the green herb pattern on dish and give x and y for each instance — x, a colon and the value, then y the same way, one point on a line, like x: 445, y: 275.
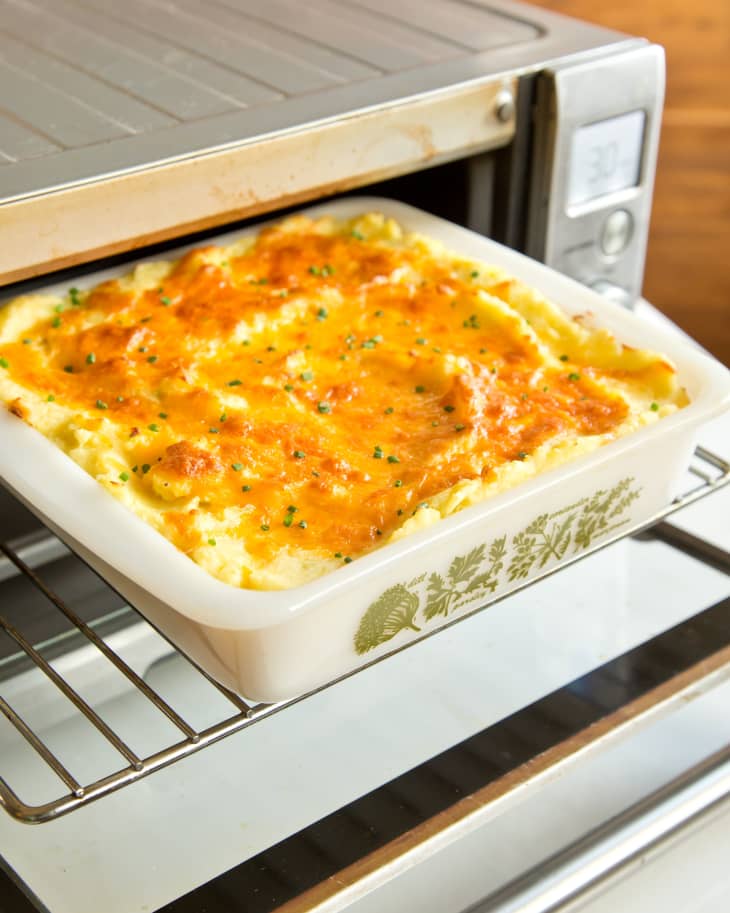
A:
x: 472, y: 576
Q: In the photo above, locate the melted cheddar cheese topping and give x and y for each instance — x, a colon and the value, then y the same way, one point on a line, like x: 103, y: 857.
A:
x: 283, y: 405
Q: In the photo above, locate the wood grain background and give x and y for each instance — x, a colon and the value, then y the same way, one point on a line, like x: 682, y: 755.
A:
x: 688, y: 261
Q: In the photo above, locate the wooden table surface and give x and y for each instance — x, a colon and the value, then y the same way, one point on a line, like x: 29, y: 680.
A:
x: 688, y: 261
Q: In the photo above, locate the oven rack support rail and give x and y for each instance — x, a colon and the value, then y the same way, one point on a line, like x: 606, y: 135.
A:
x: 711, y: 471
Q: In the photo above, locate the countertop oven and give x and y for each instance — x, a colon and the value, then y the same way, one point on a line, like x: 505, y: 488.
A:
x: 584, y: 769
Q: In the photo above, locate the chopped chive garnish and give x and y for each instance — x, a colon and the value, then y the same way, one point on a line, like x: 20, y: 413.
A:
x: 545, y: 389
x: 165, y: 300
x: 459, y: 427
x: 434, y: 423
x: 120, y: 399
x: 288, y: 520
x: 314, y: 270
x: 265, y: 527
x: 245, y: 488
x: 306, y: 375
x: 347, y: 559
x: 56, y: 322
x: 271, y: 348
x: 436, y: 349
x: 50, y: 398
x: 324, y: 408
x: 400, y: 512
x: 73, y: 294
x: 573, y: 376
x: 378, y: 453
x: 213, y: 430
x: 152, y: 359
x: 379, y: 313
x: 393, y: 458
x: 563, y: 357
x: 360, y: 237
x: 124, y: 476
x: 482, y: 351
x: 322, y: 314
x: 302, y: 524
x: 299, y: 454
x: 135, y: 468
x: 211, y: 542
x: 328, y: 270
x: 234, y: 383
x: 390, y: 410
x: 472, y: 323
x: 236, y: 467
x: 654, y: 407
x: 421, y: 341
x: 4, y: 363
x: 474, y: 273
x: 522, y: 455
x: 449, y: 408
x: 162, y: 414
x: 524, y: 396
x: 154, y: 427
x: 27, y: 342
x: 338, y: 554
x: 145, y: 468
x: 398, y: 483
x: 58, y: 309
x: 343, y: 357
x: 90, y: 358
x: 223, y: 417
x: 288, y: 387
x: 245, y: 342
x: 292, y: 509
x: 420, y: 389
x: 142, y: 349
x: 315, y: 473
x: 100, y: 404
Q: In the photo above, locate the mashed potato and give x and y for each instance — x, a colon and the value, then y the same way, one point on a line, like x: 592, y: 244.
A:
x: 283, y: 405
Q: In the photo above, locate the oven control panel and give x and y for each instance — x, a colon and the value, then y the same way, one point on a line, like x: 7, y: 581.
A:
x: 595, y: 147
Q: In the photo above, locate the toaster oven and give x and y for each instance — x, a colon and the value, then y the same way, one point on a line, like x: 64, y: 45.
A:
x: 125, y: 128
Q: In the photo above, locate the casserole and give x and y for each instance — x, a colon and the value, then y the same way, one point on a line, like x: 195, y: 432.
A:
x: 272, y: 645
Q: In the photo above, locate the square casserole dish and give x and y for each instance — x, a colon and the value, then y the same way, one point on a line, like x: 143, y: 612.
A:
x: 273, y: 645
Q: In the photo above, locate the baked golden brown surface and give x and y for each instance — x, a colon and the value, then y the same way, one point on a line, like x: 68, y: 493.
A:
x: 285, y: 404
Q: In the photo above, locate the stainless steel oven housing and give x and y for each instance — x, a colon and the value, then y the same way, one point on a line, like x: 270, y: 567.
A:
x: 102, y: 158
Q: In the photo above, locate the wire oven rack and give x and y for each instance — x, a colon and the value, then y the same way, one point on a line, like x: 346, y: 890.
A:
x: 711, y: 471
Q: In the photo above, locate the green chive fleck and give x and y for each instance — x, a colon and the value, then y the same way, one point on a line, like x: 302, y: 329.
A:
x: 573, y: 376
x: 50, y: 398
x: 563, y: 357
x: 73, y: 294
x: 393, y: 458
x: 292, y: 509
x: 213, y: 430
x: 234, y: 383
x: 449, y: 408
x: 236, y: 467
x: 306, y: 375
x: 398, y: 483
x: 223, y: 417
x: 211, y: 542
x: 390, y: 410
x: 421, y: 341
x: 378, y: 453
x: 245, y: 488
x: 145, y: 468
x: 90, y: 358
x: 288, y: 387
x: 265, y: 527
x: 322, y: 314
x: 4, y: 363
x: 358, y: 236
x: 162, y: 414
x: 522, y: 455
x: 324, y: 408
x: 152, y: 359
x: 288, y: 520
x: 56, y: 322
x: 338, y: 554
x: 154, y: 427
x: 100, y: 404
x: 124, y: 476
x: 474, y: 273
x: 347, y: 559
x: 420, y: 389
x: 459, y: 427
x: 165, y: 300
x: 299, y: 454
x: 27, y: 342
x: 302, y: 524
x: 654, y: 407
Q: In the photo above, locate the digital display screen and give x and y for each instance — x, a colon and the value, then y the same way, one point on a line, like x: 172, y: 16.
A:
x: 606, y: 157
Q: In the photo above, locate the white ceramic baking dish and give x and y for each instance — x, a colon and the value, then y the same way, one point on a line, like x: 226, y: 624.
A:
x: 274, y: 645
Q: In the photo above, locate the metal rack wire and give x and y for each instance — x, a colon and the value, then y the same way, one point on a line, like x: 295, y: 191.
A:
x: 711, y: 471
